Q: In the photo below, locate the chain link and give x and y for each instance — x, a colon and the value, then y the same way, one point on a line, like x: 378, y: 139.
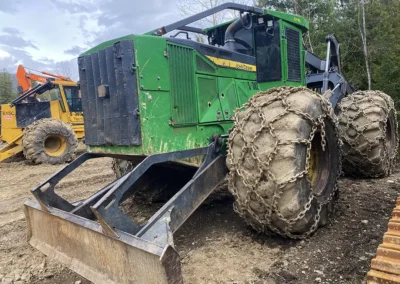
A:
x: 252, y: 181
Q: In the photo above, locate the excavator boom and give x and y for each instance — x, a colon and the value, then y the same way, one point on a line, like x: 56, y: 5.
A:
x: 25, y: 79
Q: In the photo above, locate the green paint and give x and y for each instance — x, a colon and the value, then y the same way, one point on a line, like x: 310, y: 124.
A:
x: 106, y: 44
x: 185, y: 98
x: 296, y: 21
x: 183, y: 91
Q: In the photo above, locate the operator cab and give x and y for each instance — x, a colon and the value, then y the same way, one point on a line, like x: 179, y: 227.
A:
x: 263, y: 41
x: 72, y: 96
x: 256, y: 36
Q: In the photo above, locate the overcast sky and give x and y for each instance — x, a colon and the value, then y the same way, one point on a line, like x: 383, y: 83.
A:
x: 39, y: 33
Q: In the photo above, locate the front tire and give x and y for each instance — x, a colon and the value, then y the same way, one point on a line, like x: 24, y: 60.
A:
x: 284, y: 161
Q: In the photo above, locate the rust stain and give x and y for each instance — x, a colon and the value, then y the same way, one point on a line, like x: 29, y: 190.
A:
x: 385, y: 267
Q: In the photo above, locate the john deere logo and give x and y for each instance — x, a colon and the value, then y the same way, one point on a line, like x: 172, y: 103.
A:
x: 243, y: 67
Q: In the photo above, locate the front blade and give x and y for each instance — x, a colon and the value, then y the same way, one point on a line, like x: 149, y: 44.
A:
x: 80, y: 244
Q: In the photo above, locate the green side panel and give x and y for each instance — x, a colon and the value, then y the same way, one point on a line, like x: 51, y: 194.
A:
x: 158, y: 136
x: 203, y: 66
x: 208, y: 99
x: 183, y: 96
x: 228, y: 97
x: 245, y: 89
x: 152, y: 63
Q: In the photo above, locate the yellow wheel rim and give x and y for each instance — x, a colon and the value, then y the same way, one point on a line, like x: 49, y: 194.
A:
x: 314, y: 165
x: 319, y: 164
x: 55, y: 145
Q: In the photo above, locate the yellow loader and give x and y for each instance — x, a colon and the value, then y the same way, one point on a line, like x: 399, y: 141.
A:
x: 45, y: 122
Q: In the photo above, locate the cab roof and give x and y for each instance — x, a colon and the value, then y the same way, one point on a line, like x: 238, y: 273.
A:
x: 296, y: 20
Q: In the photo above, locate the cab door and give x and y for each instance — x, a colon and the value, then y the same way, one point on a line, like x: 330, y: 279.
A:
x: 268, y: 53
x: 72, y: 97
x: 279, y: 54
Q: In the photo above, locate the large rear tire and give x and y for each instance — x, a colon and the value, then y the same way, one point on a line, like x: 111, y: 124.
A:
x: 284, y: 161
x: 49, y: 141
x: 368, y: 129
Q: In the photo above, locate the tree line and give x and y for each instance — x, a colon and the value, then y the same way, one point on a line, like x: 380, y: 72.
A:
x: 7, y: 90
x: 366, y: 29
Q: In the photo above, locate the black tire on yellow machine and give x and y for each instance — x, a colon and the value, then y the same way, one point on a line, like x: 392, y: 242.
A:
x: 49, y: 141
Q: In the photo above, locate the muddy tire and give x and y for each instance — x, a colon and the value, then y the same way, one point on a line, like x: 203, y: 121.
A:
x: 49, y: 141
x: 368, y: 129
x: 281, y: 176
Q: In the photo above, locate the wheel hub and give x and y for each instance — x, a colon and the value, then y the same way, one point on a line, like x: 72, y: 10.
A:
x: 55, y: 145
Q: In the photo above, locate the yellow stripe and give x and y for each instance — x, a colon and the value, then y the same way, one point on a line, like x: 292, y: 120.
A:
x: 232, y: 64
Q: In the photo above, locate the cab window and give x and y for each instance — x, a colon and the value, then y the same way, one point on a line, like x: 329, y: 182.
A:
x: 73, y: 96
x: 50, y: 95
x: 268, y: 52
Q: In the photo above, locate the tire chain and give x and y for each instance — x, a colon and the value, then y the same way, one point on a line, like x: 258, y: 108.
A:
x: 319, y: 123
x: 391, y: 160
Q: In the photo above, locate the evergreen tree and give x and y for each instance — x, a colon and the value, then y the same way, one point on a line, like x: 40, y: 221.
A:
x: 6, y: 87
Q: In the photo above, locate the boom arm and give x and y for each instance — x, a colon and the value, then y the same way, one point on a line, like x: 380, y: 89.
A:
x: 25, y: 79
x: 328, y: 72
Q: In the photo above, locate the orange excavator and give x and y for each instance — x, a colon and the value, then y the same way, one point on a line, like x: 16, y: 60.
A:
x: 45, y: 121
x: 25, y: 79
